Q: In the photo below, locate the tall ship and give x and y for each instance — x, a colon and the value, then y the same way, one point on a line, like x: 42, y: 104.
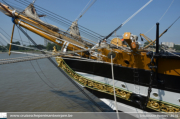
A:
x: 121, y: 73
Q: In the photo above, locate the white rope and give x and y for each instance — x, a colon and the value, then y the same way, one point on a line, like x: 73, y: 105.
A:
x: 29, y: 48
x: 173, y: 53
x: 83, y: 10
x: 88, y: 7
x: 21, y: 57
x: 136, y: 12
x: 33, y: 54
x: 161, y: 17
x: 122, y: 48
x: 170, y: 52
x: 24, y: 59
x: 115, y: 102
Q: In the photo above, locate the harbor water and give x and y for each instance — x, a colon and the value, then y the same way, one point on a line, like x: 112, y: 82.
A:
x: 38, y: 86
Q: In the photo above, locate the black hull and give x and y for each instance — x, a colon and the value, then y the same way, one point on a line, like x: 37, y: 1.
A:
x: 125, y: 74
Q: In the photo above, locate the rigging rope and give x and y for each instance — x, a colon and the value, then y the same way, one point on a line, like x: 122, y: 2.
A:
x: 161, y: 34
x: 161, y: 17
x: 82, y: 13
x: 115, y: 102
x: 170, y: 52
x: 137, y: 12
x: 7, y: 34
x: 17, y: 58
x: 127, y: 20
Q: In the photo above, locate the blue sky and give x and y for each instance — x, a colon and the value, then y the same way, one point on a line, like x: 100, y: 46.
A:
x: 106, y: 15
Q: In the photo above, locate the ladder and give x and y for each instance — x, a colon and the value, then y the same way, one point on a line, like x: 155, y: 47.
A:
x: 136, y: 77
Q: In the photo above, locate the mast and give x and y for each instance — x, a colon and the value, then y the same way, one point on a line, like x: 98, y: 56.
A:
x: 157, y: 38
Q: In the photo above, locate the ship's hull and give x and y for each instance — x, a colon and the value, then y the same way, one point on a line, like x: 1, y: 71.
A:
x: 125, y: 74
x: 165, y: 89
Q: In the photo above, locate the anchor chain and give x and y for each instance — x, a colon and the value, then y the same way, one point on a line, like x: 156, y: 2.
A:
x: 149, y: 88
x: 151, y: 66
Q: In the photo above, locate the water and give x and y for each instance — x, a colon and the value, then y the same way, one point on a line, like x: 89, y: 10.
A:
x: 37, y: 86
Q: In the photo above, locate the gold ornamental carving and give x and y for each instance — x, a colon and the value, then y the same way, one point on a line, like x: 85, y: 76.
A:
x: 153, y: 104
x: 162, y: 106
x: 168, y: 108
